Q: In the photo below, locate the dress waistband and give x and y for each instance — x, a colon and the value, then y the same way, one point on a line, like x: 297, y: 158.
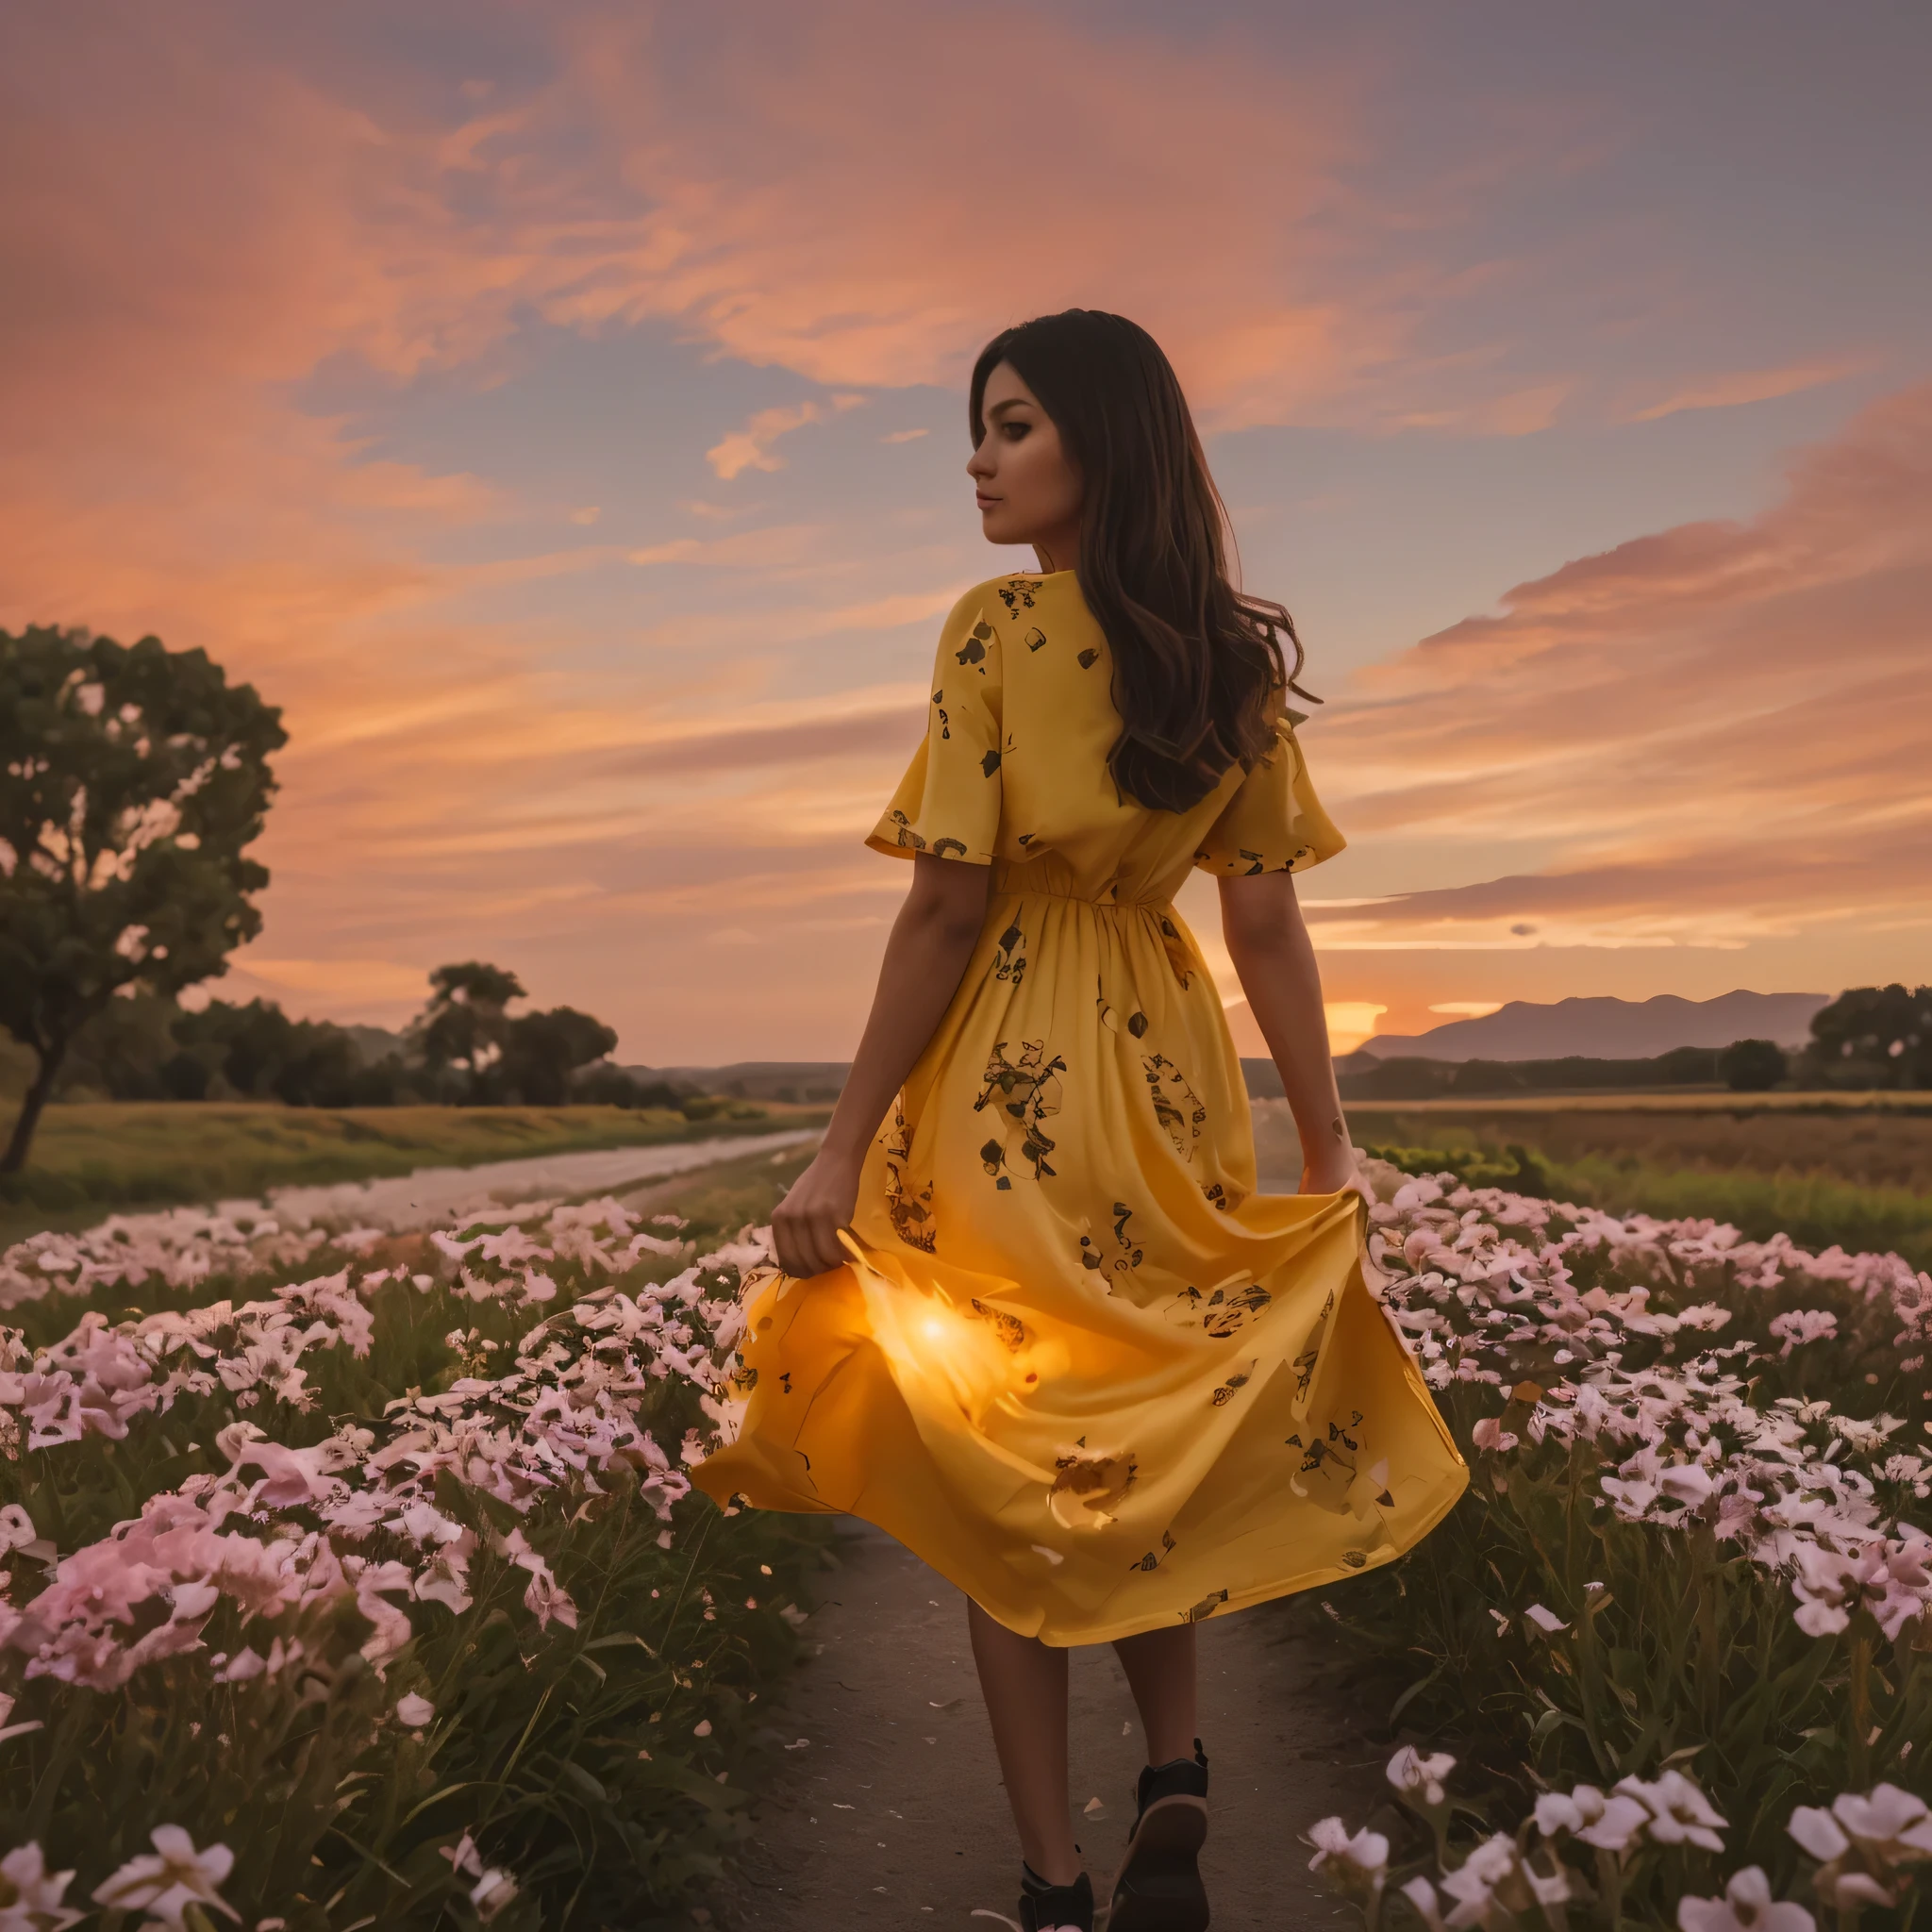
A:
x: 1010, y: 892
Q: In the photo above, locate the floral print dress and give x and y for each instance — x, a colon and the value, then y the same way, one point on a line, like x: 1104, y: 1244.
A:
x: 1076, y: 1362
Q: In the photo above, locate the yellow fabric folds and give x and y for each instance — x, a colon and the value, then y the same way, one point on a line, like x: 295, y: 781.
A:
x: 1076, y: 1362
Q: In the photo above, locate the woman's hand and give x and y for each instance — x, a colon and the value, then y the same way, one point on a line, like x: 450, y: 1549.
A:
x: 927, y: 956
x: 806, y: 1224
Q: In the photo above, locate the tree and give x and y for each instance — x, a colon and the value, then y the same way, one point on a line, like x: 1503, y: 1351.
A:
x: 259, y: 1051
x: 1751, y: 1066
x: 542, y: 1051
x: 1873, y: 1036
x: 603, y: 1085
x: 132, y: 781
x: 121, y: 1051
x: 463, y: 1027
x: 465, y: 1030
x: 247, y: 1045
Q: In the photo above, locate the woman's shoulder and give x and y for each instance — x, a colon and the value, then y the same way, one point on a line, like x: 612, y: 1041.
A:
x: 1007, y: 598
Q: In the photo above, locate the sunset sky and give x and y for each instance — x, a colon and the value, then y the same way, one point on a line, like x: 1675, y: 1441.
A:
x: 558, y: 410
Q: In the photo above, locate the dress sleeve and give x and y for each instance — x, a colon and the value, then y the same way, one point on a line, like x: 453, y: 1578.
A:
x: 948, y: 803
x: 1274, y: 823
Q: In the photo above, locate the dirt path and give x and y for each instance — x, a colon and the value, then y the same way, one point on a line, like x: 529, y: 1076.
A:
x: 432, y: 1195
x: 892, y: 1814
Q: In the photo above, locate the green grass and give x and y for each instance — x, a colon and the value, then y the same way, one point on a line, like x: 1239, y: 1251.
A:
x: 94, y: 1158
x: 1863, y: 1181
x: 1814, y: 1209
x: 1889, y: 1146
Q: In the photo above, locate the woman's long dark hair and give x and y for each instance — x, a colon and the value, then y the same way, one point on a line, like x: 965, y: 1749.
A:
x: 1198, y: 665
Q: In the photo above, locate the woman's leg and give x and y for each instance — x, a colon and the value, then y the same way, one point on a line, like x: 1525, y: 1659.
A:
x: 1159, y: 1888
x: 1024, y: 1684
x: 1160, y: 1673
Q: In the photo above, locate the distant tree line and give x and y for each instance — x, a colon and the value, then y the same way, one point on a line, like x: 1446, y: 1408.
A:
x: 1869, y: 1038
x: 1360, y: 1076
x: 465, y: 1049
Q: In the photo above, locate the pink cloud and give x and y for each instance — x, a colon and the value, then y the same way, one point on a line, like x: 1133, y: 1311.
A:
x: 1720, y: 728
x: 1729, y: 391
x: 860, y: 193
x: 751, y: 448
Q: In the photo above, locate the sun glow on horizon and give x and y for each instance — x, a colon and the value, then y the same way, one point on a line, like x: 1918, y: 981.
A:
x: 1350, y: 1023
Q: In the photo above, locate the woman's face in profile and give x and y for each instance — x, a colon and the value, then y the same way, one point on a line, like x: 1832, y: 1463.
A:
x: 1029, y: 490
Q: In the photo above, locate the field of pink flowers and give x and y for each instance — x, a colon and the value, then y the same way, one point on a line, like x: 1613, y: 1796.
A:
x: 352, y: 1581
x: 1679, y: 1633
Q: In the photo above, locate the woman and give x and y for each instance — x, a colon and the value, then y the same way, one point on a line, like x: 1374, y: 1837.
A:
x: 1033, y: 1318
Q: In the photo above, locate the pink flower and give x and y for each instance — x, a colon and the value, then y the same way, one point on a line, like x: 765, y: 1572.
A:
x: 1355, y: 1865
x: 491, y: 1893
x: 1819, y: 1583
x: 1897, y: 1580
x: 1888, y: 1824
x: 1821, y: 1834
x: 545, y: 1597
x: 444, y: 1579
x: 1494, y: 1886
x: 1422, y: 1897
x: 1746, y: 1907
x: 1611, y: 1824
x: 1891, y: 1577
x: 102, y: 1583
x: 1632, y: 1499
x: 17, y: 1531
x: 1686, y: 1482
x: 30, y: 1896
x: 1679, y: 1812
x: 167, y: 1881
x: 1818, y: 1832
x: 292, y: 1477
x: 1411, y: 1772
x: 1800, y: 1325
x: 463, y: 1857
x: 393, y: 1628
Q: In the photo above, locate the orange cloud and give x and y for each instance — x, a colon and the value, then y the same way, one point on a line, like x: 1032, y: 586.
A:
x: 1751, y: 386
x: 750, y: 448
x: 860, y: 194
x: 828, y: 190
x: 1719, y: 728
x: 940, y: 173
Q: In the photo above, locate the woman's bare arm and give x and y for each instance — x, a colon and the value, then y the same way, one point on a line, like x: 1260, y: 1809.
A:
x: 932, y: 940
x: 1261, y: 920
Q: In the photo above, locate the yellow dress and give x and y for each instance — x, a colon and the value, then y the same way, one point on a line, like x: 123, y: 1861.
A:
x: 1076, y: 1362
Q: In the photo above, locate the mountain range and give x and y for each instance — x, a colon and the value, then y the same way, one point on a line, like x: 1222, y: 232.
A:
x: 1608, y: 1028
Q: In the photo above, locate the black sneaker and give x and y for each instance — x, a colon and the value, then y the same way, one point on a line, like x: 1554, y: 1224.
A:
x: 1045, y: 1908
x: 1160, y: 1887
